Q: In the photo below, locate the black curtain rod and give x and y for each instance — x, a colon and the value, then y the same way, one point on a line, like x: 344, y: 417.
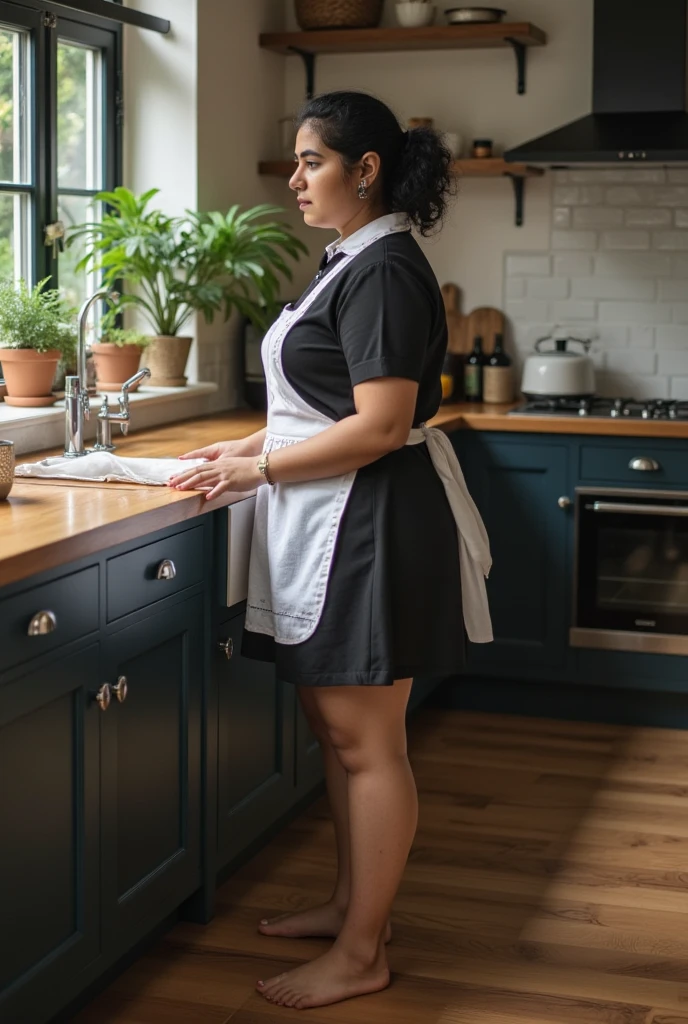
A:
x: 116, y: 12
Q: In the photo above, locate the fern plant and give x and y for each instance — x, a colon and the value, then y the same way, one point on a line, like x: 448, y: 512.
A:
x: 201, y: 262
x: 37, y: 318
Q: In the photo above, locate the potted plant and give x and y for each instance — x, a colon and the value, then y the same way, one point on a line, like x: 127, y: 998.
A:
x: 117, y: 356
x: 36, y: 330
x: 201, y: 262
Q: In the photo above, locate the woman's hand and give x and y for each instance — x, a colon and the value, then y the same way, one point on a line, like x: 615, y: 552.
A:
x: 217, y: 451
x: 224, y: 473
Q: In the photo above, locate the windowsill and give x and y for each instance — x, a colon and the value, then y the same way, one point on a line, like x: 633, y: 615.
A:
x: 35, y: 429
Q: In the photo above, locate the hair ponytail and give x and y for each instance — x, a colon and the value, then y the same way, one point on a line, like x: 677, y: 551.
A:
x: 415, y: 166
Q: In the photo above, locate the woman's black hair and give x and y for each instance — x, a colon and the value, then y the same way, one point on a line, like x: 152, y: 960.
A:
x: 415, y: 165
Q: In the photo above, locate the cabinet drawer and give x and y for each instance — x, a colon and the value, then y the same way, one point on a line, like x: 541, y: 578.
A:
x: 72, y: 604
x: 614, y: 464
x: 141, y: 577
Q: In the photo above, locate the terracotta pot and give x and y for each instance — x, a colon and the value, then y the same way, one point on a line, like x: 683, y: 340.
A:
x: 29, y: 375
x: 115, y: 364
x: 166, y: 359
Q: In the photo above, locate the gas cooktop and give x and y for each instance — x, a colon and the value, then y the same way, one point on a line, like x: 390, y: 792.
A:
x: 630, y: 408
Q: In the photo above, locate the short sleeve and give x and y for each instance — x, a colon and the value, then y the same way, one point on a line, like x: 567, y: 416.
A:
x: 384, y: 323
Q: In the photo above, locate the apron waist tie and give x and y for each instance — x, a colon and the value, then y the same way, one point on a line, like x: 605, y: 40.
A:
x: 474, y: 546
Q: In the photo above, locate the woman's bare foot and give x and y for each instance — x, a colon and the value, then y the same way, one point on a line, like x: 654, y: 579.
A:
x: 329, y: 979
x: 324, y: 921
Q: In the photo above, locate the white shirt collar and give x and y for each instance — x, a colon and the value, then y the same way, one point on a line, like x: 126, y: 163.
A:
x: 387, y: 225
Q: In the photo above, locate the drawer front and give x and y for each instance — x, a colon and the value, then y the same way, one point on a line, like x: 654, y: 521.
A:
x: 56, y: 613
x: 152, y: 572
x: 654, y: 466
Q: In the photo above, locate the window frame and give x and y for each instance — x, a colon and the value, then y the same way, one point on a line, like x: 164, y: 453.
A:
x: 46, y: 24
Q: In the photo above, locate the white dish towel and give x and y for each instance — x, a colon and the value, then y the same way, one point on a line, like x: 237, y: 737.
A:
x: 108, y: 468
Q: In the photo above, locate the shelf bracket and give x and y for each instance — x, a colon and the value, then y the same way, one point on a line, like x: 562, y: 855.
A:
x: 308, y: 59
x: 519, y: 184
x: 520, y: 52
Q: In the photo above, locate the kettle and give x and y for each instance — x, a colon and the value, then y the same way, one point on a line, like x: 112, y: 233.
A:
x: 557, y: 372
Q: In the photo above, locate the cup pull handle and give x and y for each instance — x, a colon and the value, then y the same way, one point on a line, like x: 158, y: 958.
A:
x: 227, y: 646
x: 643, y: 464
x: 42, y: 623
x: 166, y: 570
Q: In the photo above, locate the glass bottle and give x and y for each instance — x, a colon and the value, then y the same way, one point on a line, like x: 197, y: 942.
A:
x: 498, y: 382
x: 473, y: 372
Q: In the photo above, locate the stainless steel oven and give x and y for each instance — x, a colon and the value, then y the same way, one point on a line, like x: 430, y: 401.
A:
x: 631, y: 570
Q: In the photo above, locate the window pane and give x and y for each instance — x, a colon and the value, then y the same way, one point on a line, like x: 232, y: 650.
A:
x: 14, y: 236
x: 75, y: 284
x: 79, y: 117
x: 14, y: 154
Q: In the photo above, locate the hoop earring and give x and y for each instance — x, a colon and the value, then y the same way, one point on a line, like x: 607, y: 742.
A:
x: 363, y: 190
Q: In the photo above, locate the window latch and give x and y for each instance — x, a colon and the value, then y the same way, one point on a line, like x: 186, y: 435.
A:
x: 49, y: 20
x: 54, y: 236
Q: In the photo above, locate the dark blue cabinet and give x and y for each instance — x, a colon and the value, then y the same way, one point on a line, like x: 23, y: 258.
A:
x: 151, y: 771
x: 256, y: 766
x: 517, y: 486
x: 49, y: 823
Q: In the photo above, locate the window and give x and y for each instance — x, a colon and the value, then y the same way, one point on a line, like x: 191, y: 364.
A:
x: 59, y: 135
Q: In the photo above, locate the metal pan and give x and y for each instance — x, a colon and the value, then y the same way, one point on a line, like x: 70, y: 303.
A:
x: 474, y: 15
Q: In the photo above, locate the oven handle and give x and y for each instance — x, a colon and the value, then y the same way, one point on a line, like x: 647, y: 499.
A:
x: 661, y: 510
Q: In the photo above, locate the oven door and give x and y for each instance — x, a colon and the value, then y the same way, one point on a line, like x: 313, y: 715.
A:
x: 631, y: 589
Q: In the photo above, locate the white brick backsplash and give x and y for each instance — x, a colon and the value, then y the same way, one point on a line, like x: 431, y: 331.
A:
x: 680, y: 313
x: 548, y: 287
x: 597, y: 217
x: 672, y: 195
x: 614, y: 385
x: 647, y: 217
x: 681, y: 266
x: 574, y: 264
x: 625, y: 239
x: 642, y: 336
x: 670, y: 239
x: 673, y: 363
x: 635, y: 312
x: 678, y: 176
x: 516, y: 288
x: 679, y: 388
x: 630, y: 288
x: 574, y: 240
x: 527, y: 309
x: 644, y: 363
x: 561, y: 217
x: 538, y: 265
x: 609, y: 336
x: 569, y: 195
x: 681, y: 218
x: 672, y: 290
x: 572, y: 309
x: 624, y: 195
x: 672, y: 337
x: 650, y: 264
x: 640, y: 176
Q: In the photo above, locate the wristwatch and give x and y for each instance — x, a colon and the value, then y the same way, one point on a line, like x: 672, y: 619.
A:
x: 264, y: 469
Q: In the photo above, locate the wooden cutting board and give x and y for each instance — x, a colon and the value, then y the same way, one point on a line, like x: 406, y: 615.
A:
x: 457, y: 323
x: 485, y: 321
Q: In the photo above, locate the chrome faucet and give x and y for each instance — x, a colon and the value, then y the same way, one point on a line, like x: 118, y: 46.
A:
x: 106, y: 418
x: 77, y: 406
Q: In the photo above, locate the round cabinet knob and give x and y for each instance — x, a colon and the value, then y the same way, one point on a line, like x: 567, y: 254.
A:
x: 104, y: 697
x: 42, y: 623
x: 644, y: 464
x: 564, y: 501
x: 166, y: 570
x: 121, y: 689
x: 227, y: 646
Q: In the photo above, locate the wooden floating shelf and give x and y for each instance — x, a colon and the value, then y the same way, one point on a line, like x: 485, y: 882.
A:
x: 492, y: 167
x: 379, y: 40
x: 487, y: 167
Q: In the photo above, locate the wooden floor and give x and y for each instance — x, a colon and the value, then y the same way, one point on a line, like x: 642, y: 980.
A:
x: 548, y: 884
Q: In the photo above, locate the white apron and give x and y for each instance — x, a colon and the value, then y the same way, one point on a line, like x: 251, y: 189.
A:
x: 296, y: 524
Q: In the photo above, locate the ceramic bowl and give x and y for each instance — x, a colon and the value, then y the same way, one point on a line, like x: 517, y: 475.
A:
x: 413, y: 14
x: 6, y: 468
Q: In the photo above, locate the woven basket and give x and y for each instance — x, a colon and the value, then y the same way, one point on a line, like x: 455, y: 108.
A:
x: 313, y: 14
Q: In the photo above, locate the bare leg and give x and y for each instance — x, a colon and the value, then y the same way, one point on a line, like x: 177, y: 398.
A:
x: 367, y: 729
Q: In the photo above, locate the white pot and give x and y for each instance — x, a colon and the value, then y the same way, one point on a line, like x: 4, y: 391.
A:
x: 558, y: 372
x: 414, y: 14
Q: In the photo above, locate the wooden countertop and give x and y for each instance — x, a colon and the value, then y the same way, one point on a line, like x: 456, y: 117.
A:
x: 44, y: 525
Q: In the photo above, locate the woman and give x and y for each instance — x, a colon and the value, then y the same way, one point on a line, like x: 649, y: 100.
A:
x: 358, y: 579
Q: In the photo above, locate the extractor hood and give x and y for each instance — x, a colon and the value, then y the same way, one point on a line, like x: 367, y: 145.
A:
x: 638, y: 91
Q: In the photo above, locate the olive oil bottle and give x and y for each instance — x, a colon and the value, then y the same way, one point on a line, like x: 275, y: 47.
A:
x: 473, y: 372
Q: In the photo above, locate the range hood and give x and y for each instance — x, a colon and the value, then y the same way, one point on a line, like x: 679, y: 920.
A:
x: 638, y: 91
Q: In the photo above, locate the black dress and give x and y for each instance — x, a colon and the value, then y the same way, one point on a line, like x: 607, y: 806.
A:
x: 393, y: 603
